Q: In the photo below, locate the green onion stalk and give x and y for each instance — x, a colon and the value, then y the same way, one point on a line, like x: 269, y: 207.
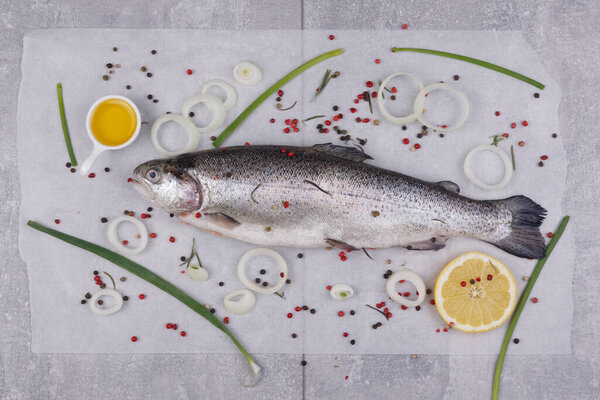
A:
x: 152, y: 278
x: 475, y: 61
x: 521, y: 305
x: 63, y: 120
x: 277, y: 85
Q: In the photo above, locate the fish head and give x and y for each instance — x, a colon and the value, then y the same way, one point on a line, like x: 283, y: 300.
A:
x: 168, y: 184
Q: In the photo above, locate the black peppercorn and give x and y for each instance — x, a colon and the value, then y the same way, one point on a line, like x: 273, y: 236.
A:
x: 221, y: 283
x: 456, y: 77
x: 125, y: 298
x: 149, y: 74
x: 294, y: 335
x: 150, y: 97
x: 262, y: 272
x: 516, y: 341
x: 153, y: 52
x: 300, y: 255
x: 352, y: 312
x: 88, y: 295
x: 191, y: 114
x: 428, y: 291
x: 312, y: 311
x: 257, y: 280
x: 83, y: 301
x: 353, y: 342
x: 536, y: 95
x: 128, y: 87
x: 335, y: 108
x: 303, y: 363
x: 103, y: 220
x: 305, y: 308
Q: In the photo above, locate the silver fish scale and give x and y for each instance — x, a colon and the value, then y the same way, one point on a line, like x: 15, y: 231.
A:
x: 410, y: 210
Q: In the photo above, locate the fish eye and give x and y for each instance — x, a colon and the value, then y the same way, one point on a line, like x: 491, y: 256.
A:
x: 153, y: 174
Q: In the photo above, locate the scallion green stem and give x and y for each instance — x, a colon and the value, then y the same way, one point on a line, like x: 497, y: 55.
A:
x: 219, y: 140
x: 521, y: 305
x: 476, y: 61
x: 149, y: 277
x: 63, y: 120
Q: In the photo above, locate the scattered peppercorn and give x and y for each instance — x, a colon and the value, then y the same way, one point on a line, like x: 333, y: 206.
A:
x: 83, y: 301
x: 125, y: 298
x: 352, y: 312
x: 221, y: 283
x: 456, y: 77
x: 312, y: 311
x: 143, y: 69
x: 304, y: 362
x: 554, y: 135
x: 149, y: 74
x: 294, y: 335
x: 353, y: 342
x: 516, y: 341
x: 128, y: 87
x: 536, y: 95
x: 114, y: 49
x: 153, y: 52
x: 105, y: 77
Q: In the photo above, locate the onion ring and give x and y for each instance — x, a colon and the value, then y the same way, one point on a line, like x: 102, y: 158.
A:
x: 420, y: 104
x: 393, y: 119
x: 341, y: 291
x: 106, y: 311
x: 185, y: 123
x: 114, y: 239
x: 211, y: 102
x: 410, y: 276
x: 230, y: 92
x: 505, y: 159
x: 240, y: 301
x: 259, y: 251
x: 247, y: 73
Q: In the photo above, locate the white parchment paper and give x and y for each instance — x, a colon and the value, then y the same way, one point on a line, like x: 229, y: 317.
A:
x: 60, y: 274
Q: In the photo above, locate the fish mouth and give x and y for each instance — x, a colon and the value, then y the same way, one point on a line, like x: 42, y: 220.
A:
x: 142, y: 188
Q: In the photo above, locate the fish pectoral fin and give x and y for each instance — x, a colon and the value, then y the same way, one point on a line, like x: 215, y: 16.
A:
x: 339, y: 244
x: 349, y: 153
x: 435, y: 243
x: 449, y: 186
x: 222, y: 220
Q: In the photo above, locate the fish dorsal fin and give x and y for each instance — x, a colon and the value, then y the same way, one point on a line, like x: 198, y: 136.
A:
x: 349, y: 153
x: 449, y: 186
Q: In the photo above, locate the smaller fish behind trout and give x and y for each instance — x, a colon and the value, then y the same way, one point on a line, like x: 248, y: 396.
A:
x: 326, y: 194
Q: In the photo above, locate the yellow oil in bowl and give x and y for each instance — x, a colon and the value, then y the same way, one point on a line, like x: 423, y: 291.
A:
x: 113, y: 122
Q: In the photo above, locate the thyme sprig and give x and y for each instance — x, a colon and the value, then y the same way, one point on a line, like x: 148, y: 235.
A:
x: 193, y: 254
x: 496, y: 139
x: 326, y: 78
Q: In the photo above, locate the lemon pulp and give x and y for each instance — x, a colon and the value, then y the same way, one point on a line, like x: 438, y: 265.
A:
x: 113, y: 122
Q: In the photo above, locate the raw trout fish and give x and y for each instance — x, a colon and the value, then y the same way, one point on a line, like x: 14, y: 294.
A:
x: 326, y: 195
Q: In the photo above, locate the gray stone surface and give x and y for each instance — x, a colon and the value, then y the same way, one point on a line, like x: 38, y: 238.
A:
x: 566, y: 35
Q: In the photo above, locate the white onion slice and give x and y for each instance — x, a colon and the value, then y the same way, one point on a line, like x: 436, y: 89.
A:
x: 240, y: 301
x: 106, y: 311
x: 407, y: 276
x: 505, y: 159
x: 259, y: 251
x: 185, y: 123
x: 420, y: 104
x: 230, y: 93
x: 211, y: 102
x: 197, y: 273
x: 393, y: 119
x: 113, y: 237
x: 247, y: 73
x: 341, y: 291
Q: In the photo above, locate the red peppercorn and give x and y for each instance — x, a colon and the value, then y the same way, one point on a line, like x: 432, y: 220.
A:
x: 550, y: 235
x: 437, y: 330
x: 513, y: 125
x: 404, y: 26
x: 544, y: 157
x: 521, y: 143
x: 143, y: 216
x: 463, y: 284
x: 534, y: 300
x: 525, y: 123
x: 405, y: 141
x: 328, y: 287
x: 335, y: 117
x: 281, y: 274
x: 272, y: 120
x: 417, y: 146
x: 366, y: 120
x: 445, y: 329
x: 134, y: 338
x: 331, y: 37
x: 153, y: 235
x: 283, y: 150
x: 182, y: 333
x: 296, y: 130
x: 289, y: 315
x: 298, y: 309
x: 403, y: 307
x: 432, y: 302
x: 57, y: 221
x: 355, y: 101
x: 129, y: 179
x: 92, y: 175
x: 198, y: 215
x: 505, y: 135
x: 369, y: 84
x: 360, y: 96
x: 478, y: 279
x: 374, y: 95
x: 172, y: 239
x: 189, y: 71
x: 125, y: 242
x: 353, y: 110
x: 358, y: 119
x: 288, y: 121
x: 246, y: 144
x: 226, y: 320
x: 377, y: 61
x: 497, y: 113
x: 341, y: 313
x: 326, y: 130
x: 394, y: 90
x: 286, y: 130
x: 340, y: 116
x: 291, y: 154
x: 345, y: 334
x: 327, y: 122
x: 489, y: 277
x: 142, y: 296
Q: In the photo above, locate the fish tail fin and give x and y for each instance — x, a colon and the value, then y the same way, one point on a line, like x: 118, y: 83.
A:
x: 525, y: 240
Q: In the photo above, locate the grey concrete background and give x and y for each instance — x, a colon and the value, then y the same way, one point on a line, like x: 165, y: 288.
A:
x: 565, y: 33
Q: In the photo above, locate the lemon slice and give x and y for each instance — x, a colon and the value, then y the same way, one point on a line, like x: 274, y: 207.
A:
x: 475, y: 292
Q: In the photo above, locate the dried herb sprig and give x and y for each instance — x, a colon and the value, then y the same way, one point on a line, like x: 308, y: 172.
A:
x: 227, y: 131
x: 326, y: 78
x: 193, y: 254
x: 113, y: 281
x: 475, y: 61
x: 512, y: 155
x: 313, y: 117
x: 521, y: 305
x: 379, y: 311
x: 289, y: 108
x: 317, y: 186
x: 496, y: 139
x: 252, y: 194
x: 153, y: 279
